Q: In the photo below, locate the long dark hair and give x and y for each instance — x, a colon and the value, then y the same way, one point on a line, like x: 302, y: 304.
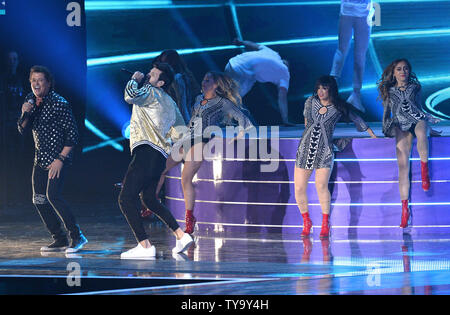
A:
x: 388, y: 80
x: 328, y: 81
x: 178, y: 65
x: 171, y: 57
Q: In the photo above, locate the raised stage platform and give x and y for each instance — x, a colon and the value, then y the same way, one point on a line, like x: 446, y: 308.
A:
x: 232, y: 194
x: 256, y: 249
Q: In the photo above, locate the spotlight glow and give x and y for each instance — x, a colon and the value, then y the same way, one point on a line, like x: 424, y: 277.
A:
x: 435, y: 99
x: 149, y: 55
x: 100, y: 134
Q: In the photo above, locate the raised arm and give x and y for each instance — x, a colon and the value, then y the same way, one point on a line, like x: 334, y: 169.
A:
x: 136, y: 96
x: 283, y: 104
x: 249, y: 45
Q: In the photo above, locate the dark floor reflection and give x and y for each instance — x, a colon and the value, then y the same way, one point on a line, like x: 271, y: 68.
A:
x: 249, y: 263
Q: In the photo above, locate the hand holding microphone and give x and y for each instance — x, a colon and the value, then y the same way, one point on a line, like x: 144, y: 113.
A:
x: 27, y: 107
x: 136, y: 76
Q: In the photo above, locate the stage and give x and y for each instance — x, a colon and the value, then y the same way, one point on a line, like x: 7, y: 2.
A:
x: 255, y: 193
x: 235, y: 259
x: 248, y: 224
x: 221, y: 263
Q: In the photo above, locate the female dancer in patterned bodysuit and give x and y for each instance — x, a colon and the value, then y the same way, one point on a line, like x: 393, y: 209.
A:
x: 218, y: 104
x: 404, y: 119
x: 315, y: 151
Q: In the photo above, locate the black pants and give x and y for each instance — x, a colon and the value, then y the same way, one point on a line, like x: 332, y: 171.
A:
x: 48, y: 200
x: 143, y: 175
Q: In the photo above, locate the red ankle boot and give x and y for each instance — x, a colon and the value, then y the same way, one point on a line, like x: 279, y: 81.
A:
x: 425, y: 175
x: 325, y: 231
x: 307, y: 225
x: 190, y: 221
x: 405, y: 214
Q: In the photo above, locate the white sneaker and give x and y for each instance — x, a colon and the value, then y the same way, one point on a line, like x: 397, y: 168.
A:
x: 183, y: 244
x: 355, y: 100
x: 139, y: 252
x: 180, y: 256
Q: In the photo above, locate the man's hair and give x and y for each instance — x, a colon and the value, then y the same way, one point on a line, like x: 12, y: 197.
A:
x: 48, y: 75
x: 167, y: 74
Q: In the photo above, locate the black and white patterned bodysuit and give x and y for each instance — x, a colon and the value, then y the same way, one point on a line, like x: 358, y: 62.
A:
x: 315, y: 149
x: 403, y: 110
x: 218, y: 111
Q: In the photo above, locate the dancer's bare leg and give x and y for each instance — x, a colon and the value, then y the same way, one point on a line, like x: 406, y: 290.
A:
x: 322, y: 180
x: 301, y: 177
x: 403, y: 150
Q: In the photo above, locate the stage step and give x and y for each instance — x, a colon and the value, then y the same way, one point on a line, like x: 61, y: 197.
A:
x: 233, y: 194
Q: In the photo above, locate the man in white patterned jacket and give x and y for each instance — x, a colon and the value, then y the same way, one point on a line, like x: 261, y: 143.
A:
x: 153, y: 118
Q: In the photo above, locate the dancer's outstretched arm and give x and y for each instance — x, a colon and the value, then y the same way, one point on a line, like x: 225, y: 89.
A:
x: 249, y: 45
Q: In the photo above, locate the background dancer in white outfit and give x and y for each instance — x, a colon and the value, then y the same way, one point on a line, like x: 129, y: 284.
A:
x: 355, y: 17
x: 260, y: 64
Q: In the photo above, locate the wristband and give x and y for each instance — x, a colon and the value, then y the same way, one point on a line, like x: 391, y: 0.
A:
x: 61, y: 158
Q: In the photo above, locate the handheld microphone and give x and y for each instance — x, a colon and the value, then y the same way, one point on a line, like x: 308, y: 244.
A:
x: 127, y: 71
x: 28, y: 114
x: 31, y: 101
x: 131, y: 73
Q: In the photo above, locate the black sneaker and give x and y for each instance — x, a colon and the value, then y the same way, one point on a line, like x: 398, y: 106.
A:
x: 77, y: 244
x: 58, y: 245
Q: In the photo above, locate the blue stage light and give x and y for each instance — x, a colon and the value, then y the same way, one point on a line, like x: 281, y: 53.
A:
x: 122, y: 58
x: 412, y: 33
x: 316, y: 3
x: 91, y: 62
x: 101, y: 135
x: 138, y: 5
x: 431, y: 102
x: 106, y: 99
x: 126, y: 130
x: 150, y: 55
x: 435, y: 99
x: 123, y: 5
x: 111, y: 142
x: 165, y: 4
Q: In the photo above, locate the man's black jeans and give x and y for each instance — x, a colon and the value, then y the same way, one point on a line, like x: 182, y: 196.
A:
x: 143, y: 175
x: 48, y: 200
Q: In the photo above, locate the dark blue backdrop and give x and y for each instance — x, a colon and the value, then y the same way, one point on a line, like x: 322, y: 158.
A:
x: 38, y: 32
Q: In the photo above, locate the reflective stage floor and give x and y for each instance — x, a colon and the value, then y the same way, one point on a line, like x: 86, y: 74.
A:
x: 256, y: 263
